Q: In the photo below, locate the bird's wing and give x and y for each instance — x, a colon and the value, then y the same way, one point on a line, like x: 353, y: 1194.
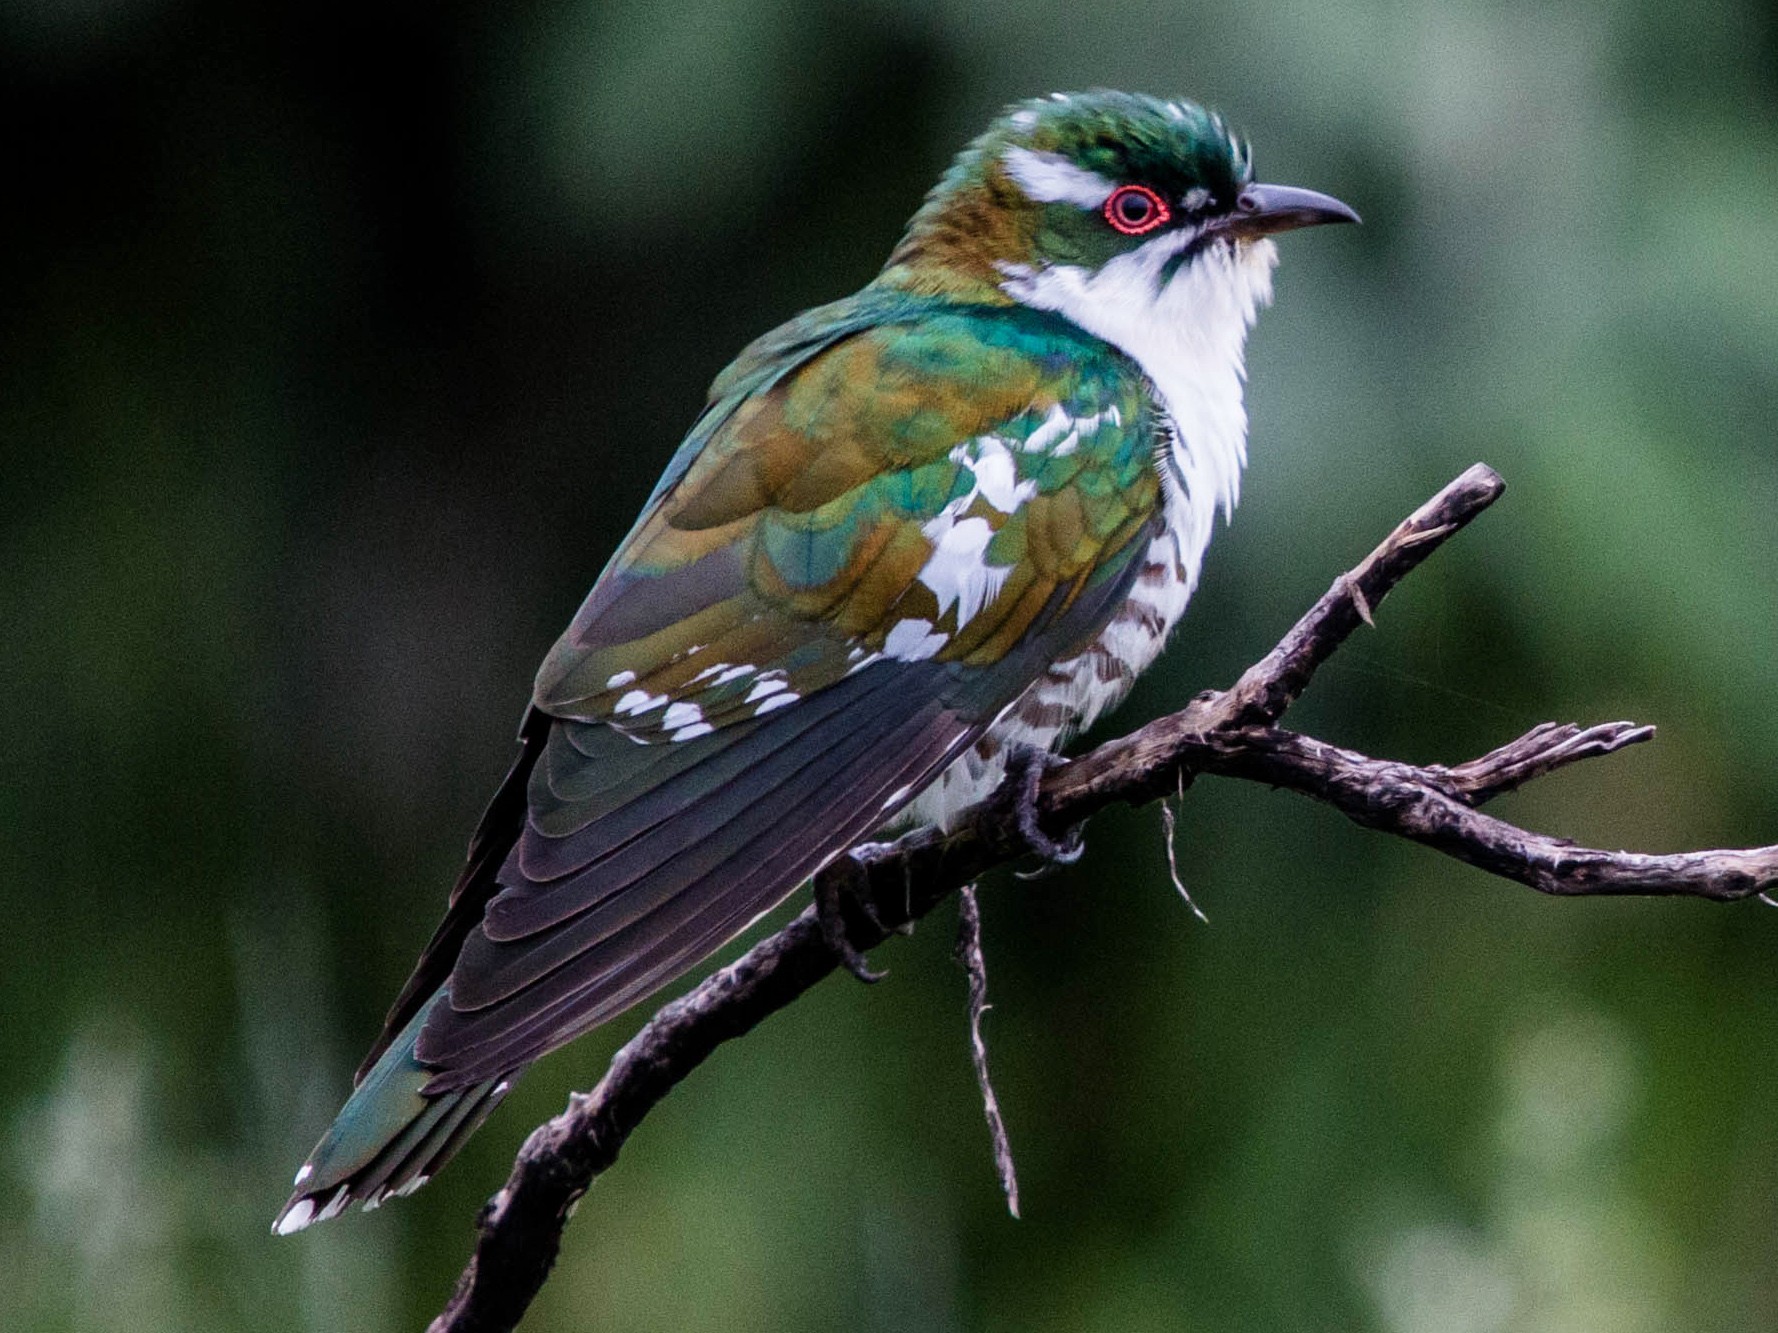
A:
x: 868, y: 557
x: 758, y: 367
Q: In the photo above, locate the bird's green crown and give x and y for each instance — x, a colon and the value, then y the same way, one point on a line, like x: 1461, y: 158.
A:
x: 1072, y: 179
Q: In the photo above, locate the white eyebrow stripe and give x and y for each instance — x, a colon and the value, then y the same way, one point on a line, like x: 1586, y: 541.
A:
x: 1049, y: 178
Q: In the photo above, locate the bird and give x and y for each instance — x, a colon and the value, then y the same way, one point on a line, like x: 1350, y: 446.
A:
x: 916, y: 538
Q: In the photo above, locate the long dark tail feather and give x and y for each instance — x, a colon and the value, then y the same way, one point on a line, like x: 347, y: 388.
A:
x: 389, y: 1138
x: 494, y: 836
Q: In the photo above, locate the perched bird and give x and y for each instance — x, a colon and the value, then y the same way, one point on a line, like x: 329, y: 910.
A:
x: 915, y: 534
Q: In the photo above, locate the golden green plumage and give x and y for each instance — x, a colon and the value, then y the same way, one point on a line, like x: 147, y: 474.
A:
x: 810, y: 505
x: 956, y: 511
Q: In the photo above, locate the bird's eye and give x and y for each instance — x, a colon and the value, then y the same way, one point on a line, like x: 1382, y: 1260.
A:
x: 1136, y: 209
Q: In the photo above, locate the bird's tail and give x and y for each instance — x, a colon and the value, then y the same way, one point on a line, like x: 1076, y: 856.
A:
x: 388, y: 1138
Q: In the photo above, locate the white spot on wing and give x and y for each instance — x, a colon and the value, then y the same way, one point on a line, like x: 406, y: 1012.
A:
x: 681, y: 715
x: 685, y: 722
x: 958, y: 571
x: 997, y: 477
x: 299, y: 1216
x: 638, y: 701
x: 620, y: 680
x: 777, y: 701
x: 336, y: 1205
x: 1059, y: 434
x: 766, y: 685
x: 913, y: 641
x: 1048, y: 431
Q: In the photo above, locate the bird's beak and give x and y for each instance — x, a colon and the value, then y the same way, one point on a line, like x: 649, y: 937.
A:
x: 1264, y: 209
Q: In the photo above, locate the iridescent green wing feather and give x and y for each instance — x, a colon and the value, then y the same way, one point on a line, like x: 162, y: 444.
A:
x: 877, y: 543
x: 757, y: 368
x: 921, y: 490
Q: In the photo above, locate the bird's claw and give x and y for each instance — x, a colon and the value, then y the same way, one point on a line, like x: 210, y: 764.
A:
x: 1025, y: 767
x: 840, y: 889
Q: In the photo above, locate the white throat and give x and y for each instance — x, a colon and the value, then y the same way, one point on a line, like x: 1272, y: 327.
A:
x: 1189, y: 337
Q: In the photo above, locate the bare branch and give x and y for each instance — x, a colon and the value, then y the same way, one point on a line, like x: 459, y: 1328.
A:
x: 969, y: 954
x: 1230, y: 734
x: 1545, y: 748
x: 1274, y: 682
x: 1426, y: 806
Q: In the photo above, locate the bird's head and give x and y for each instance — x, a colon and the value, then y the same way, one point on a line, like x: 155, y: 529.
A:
x: 1105, y: 199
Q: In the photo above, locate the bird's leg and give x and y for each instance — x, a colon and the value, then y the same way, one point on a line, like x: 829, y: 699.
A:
x: 840, y: 888
x: 1025, y: 767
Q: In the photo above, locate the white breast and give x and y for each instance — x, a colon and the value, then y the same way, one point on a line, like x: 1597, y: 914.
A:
x: 1188, y: 337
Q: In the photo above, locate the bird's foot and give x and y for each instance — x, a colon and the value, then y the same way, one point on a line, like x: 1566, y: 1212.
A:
x: 839, y: 892
x: 1025, y: 767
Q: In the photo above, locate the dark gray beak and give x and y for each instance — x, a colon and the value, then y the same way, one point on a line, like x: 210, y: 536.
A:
x: 1264, y: 209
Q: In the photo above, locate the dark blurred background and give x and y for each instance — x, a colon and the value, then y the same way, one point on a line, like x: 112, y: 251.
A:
x: 339, y: 344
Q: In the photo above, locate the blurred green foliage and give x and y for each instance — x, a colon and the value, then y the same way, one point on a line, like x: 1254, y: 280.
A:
x: 341, y: 342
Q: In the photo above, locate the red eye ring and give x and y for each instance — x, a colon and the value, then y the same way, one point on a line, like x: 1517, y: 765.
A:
x: 1136, y: 210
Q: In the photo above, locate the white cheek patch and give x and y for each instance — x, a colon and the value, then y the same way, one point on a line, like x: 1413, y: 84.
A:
x: 1049, y: 178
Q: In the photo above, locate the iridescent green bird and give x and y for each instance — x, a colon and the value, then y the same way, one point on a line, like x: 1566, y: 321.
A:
x: 913, y: 533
